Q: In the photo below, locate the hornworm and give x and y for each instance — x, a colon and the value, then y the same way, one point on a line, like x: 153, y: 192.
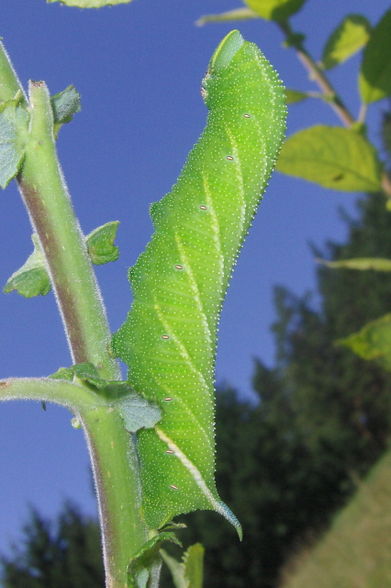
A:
x: 169, y: 337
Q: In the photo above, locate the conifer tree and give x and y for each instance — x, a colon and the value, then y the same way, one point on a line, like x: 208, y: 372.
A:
x: 61, y: 554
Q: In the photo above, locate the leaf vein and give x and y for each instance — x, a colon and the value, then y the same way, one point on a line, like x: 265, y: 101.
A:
x: 182, y: 349
x: 195, y: 289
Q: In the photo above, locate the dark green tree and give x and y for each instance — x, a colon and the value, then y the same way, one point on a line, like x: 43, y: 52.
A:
x: 63, y: 554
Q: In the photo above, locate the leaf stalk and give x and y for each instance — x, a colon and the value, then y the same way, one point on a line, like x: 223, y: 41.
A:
x: 46, y: 197
x: 331, y: 96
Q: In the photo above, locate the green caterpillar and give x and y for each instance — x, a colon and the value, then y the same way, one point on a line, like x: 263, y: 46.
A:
x: 169, y: 337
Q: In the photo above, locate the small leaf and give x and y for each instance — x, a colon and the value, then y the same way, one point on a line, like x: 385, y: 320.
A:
x: 173, y: 526
x: 293, y: 96
x: 65, y: 104
x: 63, y: 374
x: 378, y: 264
x: 348, y: 38
x: 90, y: 3
x: 375, y: 74
x: 32, y: 278
x: 372, y: 342
x: 138, y: 570
x: 235, y: 14
x: 13, y: 135
x: 333, y: 157
x: 194, y: 565
x: 137, y: 413
x: 177, y: 570
x: 275, y: 9
x: 189, y: 572
x: 100, y: 243
x: 84, y: 371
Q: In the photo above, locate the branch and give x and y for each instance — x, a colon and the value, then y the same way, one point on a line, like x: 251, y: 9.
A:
x: 331, y: 96
x: 74, y: 397
x: 46, y: 197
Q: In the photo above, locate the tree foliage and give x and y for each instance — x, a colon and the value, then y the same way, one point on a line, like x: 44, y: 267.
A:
x: 63, y: 554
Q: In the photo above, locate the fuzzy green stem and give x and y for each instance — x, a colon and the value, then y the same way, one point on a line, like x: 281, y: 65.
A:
x: 119, y: 494
x: 112, y: 450
x: 9, y: 83
x: 46, y: 197
x: 74, y: 397
x: 114, y: 462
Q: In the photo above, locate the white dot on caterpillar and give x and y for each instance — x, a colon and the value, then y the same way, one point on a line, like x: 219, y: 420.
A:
x: 178, y: 266
x: 229, y: 157
x: 247, y: 115
x: 170, y: 451
x: 174, y: 487
x: 203, y: 207
x: 165, y: 337
x: 167, y: 399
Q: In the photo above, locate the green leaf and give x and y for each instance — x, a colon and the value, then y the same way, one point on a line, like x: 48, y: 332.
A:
x: 85, y: 371
x: 375, y: 74
x: 189, y: 572
x: 194, y: 565
x: 236, y: 14
x: 32, y: 278
x: 177, y: 570
x: 135, y: 410
x: 63, y: 373
x: 275, y: 9
x: 372, y: 342
x: 100, y: 243
x: 333, y: 157
x: 138, y: 570
x: 173, y: 526
x: 90, y: 3
x: 378, y: 264
x: 168, y: 339
x: 13, y: 137
x: 293, y: 96
x: 65, y: 105
x: 348, y: 38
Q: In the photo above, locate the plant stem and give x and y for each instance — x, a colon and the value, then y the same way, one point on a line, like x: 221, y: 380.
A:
x: 46, y: 197
x: 9, y: 83
x: 111, y: 448
x: 316, y: 74
x: 114, y: 462
x: 74, y: 397
x: 116, y: 474
x: 332, y: 97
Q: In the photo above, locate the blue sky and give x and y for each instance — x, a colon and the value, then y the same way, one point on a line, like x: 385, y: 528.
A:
x: 138, y: 68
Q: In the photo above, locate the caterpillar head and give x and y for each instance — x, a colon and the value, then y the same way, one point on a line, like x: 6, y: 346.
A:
x: 221, y: 58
